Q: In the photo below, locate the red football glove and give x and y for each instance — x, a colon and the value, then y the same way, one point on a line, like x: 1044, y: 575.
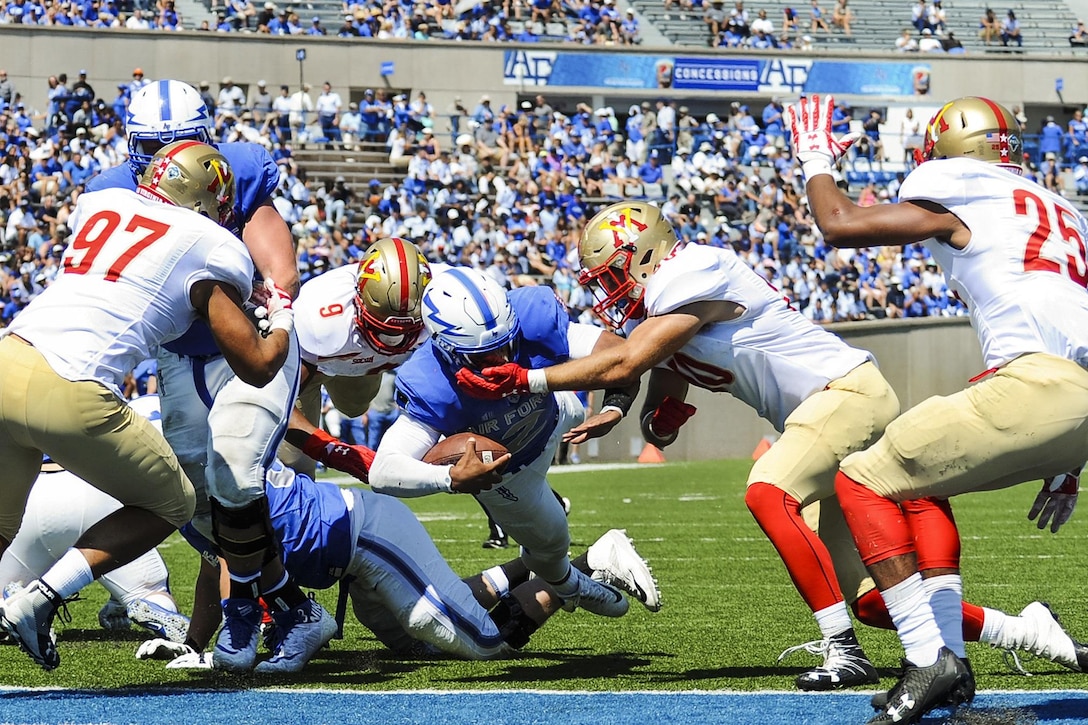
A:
x: 669, y: 416
x: 1056, y: 500
x: 334, y: 453
x: 494, y: 383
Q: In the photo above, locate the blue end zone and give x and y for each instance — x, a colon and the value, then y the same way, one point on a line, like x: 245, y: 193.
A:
x: 200, y: 707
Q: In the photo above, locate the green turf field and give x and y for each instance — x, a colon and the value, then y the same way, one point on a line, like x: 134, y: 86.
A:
x: 729, y: 608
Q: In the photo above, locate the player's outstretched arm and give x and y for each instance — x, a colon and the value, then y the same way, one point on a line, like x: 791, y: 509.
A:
x: 255, y: 358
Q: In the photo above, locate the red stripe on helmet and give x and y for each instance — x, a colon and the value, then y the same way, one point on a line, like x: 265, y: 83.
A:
x: 402, y: 257
x: 1001, y: 127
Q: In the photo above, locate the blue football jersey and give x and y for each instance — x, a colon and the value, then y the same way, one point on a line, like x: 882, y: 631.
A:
x: 256, y: 177
x: 312, y: 524
x: 427, y: 389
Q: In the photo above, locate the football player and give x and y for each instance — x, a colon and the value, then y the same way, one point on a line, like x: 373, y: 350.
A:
x: 474, y: 322
x: 355, y: 321
x: 139, y: 591
x: 1015, y: 253
x: 699, y: 315
x: 400, y: 586
x: 223, y: 430
x: 140, y: 269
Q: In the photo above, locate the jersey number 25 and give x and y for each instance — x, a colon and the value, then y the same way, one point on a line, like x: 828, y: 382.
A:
x: 1056, y: 245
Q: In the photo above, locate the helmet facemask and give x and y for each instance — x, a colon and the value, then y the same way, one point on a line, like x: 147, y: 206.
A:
x: 618, y: 297
x: 388, y: 290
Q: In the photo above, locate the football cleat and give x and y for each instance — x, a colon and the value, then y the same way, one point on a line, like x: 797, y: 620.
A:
x: 236, y: 648
x: 303, y: 631
x: 948, y: 682
x: 1039, y: 631
x: 27, y: 615
x: 615, y: 562
x: 500, y: 542
x: 844, y: 665
x: 593, y: 596
x: 113, y: 616
x: 162, y: 622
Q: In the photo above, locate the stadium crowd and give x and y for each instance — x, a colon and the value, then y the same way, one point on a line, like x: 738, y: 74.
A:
x: 508, y: 193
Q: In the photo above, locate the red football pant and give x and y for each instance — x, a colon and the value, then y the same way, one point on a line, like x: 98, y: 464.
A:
x: 805, y: 556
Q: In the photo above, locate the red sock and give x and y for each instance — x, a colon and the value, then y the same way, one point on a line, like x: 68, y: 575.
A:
x: 936, y: 538
x: 805, y: 556
x: 870, y: 610
x: 879, y: 527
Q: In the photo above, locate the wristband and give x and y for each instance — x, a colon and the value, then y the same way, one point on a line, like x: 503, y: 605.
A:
x: 816, y: 167
x: 607, y: 408
x: 618, y: 399
x: 538, y: 381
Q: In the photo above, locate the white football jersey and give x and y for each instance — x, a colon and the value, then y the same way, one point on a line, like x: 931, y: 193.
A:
x: 1023, y: 274
x: 127, y: 272
x: 327, y: 333
x: 771, y: 357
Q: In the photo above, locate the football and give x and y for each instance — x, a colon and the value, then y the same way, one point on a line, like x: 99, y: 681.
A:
x: 450, y: 449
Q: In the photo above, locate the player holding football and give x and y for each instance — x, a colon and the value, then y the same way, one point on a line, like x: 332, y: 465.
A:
x: 1015, y: 253
x: 400, y: 586
x: 223, y: 430
x: 700, y: 315
x: 140, y: 268
x: 474, y: 322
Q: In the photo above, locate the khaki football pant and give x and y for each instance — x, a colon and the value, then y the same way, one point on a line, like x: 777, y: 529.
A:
x: 88, y: 430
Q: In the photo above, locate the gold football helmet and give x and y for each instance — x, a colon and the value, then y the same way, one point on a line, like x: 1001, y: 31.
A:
x: 388, y: 294
x: 620, y: 248
x: 193, y: 175
x: 975, y: 128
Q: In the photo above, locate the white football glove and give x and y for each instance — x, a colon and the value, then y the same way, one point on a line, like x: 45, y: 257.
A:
x: 810, y: 133
x: 162, y: 649
x: 1056, y: 500
x: 191, y: 661
x: 113, y: 616
x: 276, y: 312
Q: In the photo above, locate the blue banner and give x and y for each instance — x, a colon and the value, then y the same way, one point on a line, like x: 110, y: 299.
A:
x: 785, y: 75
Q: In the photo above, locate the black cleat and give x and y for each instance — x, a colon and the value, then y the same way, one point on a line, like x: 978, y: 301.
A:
x: 844, y: 665
x: 500, y: 542
x: 949, y: 682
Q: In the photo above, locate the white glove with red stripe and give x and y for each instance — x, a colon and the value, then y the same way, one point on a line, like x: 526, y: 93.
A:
x: 810, y: 133
x: 276, y: 312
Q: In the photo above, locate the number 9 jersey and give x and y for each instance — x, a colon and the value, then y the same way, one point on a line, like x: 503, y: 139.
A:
x: 1023, y: 273
x: 124, y: 289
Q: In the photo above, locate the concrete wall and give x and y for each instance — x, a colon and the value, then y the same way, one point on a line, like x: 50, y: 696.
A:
x: 919, y: 358
x: 442, y: 69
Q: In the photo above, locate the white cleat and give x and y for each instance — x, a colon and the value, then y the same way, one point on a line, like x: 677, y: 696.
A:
x: 163, y: 622
x: 615, y: 562
x: 27, y: 615
x: 1040, y: 633
x: 113, y: 616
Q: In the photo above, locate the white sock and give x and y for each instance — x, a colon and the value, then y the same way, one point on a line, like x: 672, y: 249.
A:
x: 833, y: 620
x: 946, y: 600
x: 909, y: 608
x: 69, y: 575
x: 993, y: 626
x: 498, y: 580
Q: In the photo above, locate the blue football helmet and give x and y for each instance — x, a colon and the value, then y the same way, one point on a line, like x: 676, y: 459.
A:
x: 470, y: 319
x: 161, y: 113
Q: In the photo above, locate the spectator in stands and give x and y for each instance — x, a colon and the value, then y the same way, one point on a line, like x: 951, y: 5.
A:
x: 280, y: 118
x: 328, y: 107
x: 629, y: 29
x: 1010, y: 30
x: 789, y: 23
x: 817, y: 21
x: 1079, y: 37
x: 936, y: 19
x: 351, y: 125
x: 919, y: 15
x: 739, y: 20
x: 873, y: 147
x: 988, y: 27
x: 301, y: 109
x: 929, y: 43
x: 763, y: 24
x: 260, y: 102
x: 906, y: 43
x: 666, y: 123
x: 714, y: 18
x: 910, y: 135
x: 1080, y: 176
x: 1076, y: 136
x: 842, y: 15
x: 952, y: 44
x: 1051, y: 138
x: 231, y: 98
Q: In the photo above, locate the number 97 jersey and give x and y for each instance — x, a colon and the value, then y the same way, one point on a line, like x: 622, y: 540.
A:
x: 1023, y: 273
x: 127, y: 274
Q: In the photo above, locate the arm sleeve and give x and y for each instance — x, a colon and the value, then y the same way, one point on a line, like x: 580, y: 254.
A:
x: 581, y: 339
x: 398, y: 469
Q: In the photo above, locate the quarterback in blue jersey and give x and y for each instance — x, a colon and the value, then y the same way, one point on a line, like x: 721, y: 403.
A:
x: 473, y: 322
x: 224, y: 431
x: 399, y: 585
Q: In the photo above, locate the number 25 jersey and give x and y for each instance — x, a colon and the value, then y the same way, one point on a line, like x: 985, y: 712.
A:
x: 125, y: 284
x: 1023, y: 273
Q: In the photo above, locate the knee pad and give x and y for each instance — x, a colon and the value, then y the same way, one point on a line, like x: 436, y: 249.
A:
x: 515, y: 626
x: 244, y: 531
